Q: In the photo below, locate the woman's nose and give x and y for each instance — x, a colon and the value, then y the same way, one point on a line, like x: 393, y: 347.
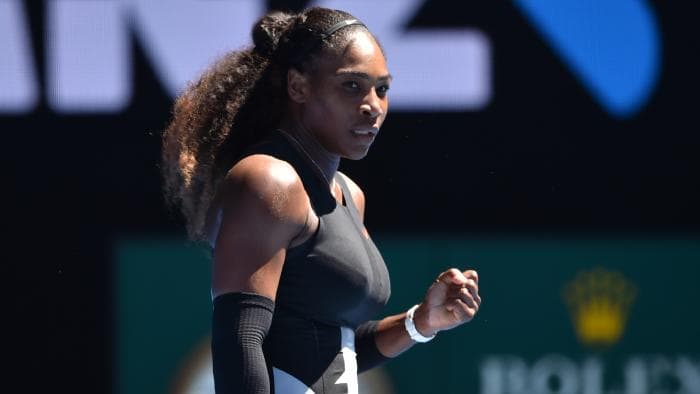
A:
x: 372, y: 105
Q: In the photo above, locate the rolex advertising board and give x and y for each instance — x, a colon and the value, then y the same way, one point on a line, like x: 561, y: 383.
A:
x: 559, y: 316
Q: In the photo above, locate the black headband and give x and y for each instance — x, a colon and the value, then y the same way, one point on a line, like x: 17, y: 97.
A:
x: 348, y: 22
x: 312, y: 44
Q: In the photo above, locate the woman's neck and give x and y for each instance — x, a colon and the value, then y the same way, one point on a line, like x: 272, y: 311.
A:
x: 325, y: 162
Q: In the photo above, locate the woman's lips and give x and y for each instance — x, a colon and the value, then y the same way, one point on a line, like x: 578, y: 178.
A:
x: 366, y: 131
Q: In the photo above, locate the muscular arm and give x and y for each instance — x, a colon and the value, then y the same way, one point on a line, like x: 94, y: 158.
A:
x: 263, y: 207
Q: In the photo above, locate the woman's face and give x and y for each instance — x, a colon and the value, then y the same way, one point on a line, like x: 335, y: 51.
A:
x: 347, y: 97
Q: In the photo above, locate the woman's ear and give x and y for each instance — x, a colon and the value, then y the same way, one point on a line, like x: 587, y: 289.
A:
x: 297, y: 86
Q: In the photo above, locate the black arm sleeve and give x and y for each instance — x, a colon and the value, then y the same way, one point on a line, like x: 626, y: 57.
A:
x: 368, y: 356
x: 240, y: 322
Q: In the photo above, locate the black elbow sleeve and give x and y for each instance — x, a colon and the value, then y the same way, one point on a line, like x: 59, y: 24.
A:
x: 240, y: 322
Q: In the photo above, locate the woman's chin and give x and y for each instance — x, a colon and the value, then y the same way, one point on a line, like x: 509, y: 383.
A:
x: 356, y: 155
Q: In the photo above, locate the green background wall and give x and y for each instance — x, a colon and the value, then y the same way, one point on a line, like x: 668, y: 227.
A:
x: 522, y: 341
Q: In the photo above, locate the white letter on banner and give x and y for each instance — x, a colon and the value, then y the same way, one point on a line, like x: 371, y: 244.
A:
x: 636, y: 376
x: 89, y: 57
x: 688, y: 372
x: 558, y: 368
x: 182, y: 37
x: 88, y: 62
x: 433, y: 69
x: 19, y: 90
x: 492, y: 375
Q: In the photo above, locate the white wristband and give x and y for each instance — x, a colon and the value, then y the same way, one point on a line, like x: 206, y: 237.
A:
x: 411, y: 327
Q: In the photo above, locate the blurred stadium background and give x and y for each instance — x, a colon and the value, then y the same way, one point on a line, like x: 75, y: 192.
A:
x: 548, y: 144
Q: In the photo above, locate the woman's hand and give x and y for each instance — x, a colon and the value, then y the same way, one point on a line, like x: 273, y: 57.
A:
x: 453, y: 299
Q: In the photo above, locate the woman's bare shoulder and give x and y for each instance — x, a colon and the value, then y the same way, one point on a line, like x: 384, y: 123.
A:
x: 261, y: 190
x: 262, y: 170
x: 263, y: 206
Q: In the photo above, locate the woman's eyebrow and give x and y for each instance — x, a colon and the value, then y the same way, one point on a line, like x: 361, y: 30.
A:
x: 362, y: 75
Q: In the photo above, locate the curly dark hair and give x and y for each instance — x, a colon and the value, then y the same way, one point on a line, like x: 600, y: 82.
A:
x: 236, y: 103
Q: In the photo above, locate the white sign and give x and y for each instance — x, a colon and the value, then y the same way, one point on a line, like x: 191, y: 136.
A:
x: 89, y: 65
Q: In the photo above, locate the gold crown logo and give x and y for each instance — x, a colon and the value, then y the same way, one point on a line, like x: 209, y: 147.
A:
x: 599, y: 302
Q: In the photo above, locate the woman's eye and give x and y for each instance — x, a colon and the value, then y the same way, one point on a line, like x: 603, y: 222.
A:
x: 383, y: 89
x: 352, y: 85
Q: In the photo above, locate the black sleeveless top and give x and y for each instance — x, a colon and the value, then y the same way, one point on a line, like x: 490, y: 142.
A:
x: 338, y: 276
x: 335, y: 279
